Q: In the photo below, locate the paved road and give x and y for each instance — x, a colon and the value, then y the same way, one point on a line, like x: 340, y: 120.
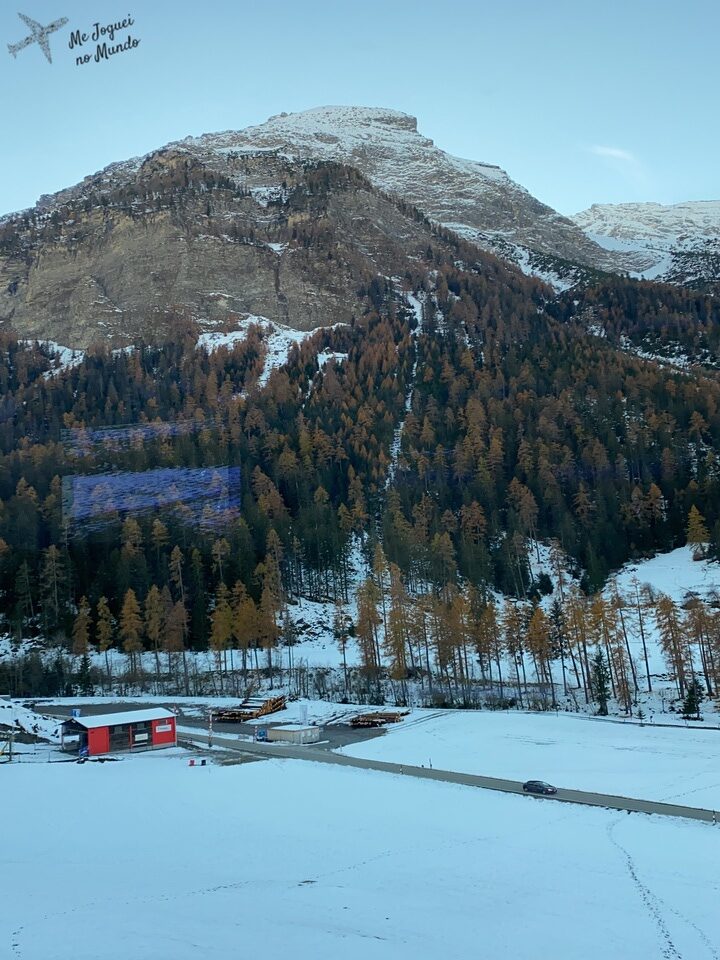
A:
x: 610, y: 801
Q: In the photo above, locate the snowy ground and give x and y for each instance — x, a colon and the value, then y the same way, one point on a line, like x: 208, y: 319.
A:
x: 675, y: 574
x: 13, y: 713
x: 575, y: 752
x: 284, y: 858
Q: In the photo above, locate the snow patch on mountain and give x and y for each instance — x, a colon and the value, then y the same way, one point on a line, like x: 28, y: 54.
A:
x: 62, y: 358
x: 678, y: 242
x: 662, y: 225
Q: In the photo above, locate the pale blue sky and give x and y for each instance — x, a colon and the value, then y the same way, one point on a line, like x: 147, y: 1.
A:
x: 580, y: 102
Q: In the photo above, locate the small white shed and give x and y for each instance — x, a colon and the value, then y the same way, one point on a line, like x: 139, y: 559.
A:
x: 294, y: 733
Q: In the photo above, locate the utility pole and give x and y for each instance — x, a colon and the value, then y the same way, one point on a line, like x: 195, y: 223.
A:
x: 12, y: 732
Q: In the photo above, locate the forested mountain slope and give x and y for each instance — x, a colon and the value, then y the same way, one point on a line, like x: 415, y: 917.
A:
x: 459, y: 420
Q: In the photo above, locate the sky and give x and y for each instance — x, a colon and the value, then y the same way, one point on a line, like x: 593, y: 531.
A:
x: 580, y: 102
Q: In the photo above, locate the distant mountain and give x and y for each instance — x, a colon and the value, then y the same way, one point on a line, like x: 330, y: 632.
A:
x: 678, y: 243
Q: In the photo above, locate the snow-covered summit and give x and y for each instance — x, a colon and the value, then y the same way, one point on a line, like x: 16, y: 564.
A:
x: 652, y: 221
x: 373, y: 138
x: 476, y: 199
x: 678, y: 242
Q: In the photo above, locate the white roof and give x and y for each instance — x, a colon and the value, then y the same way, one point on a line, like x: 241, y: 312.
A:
x: 129, y: 716
x: 293, y: 726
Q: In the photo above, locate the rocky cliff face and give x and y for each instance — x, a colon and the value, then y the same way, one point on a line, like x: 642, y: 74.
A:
x: 121, y: 255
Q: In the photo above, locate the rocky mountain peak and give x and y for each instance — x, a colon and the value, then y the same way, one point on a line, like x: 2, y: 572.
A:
x: 476, y: 199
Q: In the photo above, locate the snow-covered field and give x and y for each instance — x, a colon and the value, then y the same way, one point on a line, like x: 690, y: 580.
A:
x: 151, y: 859
x: 575, y: 752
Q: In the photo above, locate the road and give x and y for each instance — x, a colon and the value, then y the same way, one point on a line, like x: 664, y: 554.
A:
x: 227, y: 737
x: 288, y: 751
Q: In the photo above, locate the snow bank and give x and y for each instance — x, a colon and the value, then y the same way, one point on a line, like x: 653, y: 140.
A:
x: 12, y: 712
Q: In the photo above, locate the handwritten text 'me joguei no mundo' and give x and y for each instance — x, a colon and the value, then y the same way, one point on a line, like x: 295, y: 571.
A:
x: 104, y: 36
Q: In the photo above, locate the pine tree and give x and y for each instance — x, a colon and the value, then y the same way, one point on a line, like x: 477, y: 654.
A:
x: 367, y: 627
x: 693, y: 699
x: 176, y: 575
x: 268, y: 622
x: 220, y: 553
x: 81, y: 629
x: 154, y: 624
x: 599, y: 678
x: 52, y: 580
x: 674, y: 642
x: 221, y: 627
x: 538, y: 644
x: 84, y: 679
x: 24, y: 592
x: 558, y: 640
x: 698, y: 536
x: 700, y: 624
x: 174, y: 633
x: 244, y: 622
x: 159, y: 536
x: 340, y: 634
x: 131, y: 627
x: 104, y: 632
x: 513, y: 624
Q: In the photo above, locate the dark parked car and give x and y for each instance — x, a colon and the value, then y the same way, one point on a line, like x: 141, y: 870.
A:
x: 539, y: 786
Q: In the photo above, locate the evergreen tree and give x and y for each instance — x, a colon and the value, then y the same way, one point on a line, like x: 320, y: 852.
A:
x: 600, y: 677
x: 81, y: 629
x: 340, y: 634
x: 84, y: 678
x: 221, y: 627
x: 698, y: 536
x: 131, y: 626
x: 154, y: 623
x: 104, y: 632
x: 693, y: 698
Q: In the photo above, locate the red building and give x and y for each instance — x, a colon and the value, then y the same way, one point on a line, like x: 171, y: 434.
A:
x: 113, y: 732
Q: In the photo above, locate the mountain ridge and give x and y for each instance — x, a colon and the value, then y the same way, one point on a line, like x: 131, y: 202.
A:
x: 132, y: 240
x: 475, y: 199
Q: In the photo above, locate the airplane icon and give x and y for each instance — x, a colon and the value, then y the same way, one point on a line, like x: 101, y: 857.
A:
x: 39, y: 35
